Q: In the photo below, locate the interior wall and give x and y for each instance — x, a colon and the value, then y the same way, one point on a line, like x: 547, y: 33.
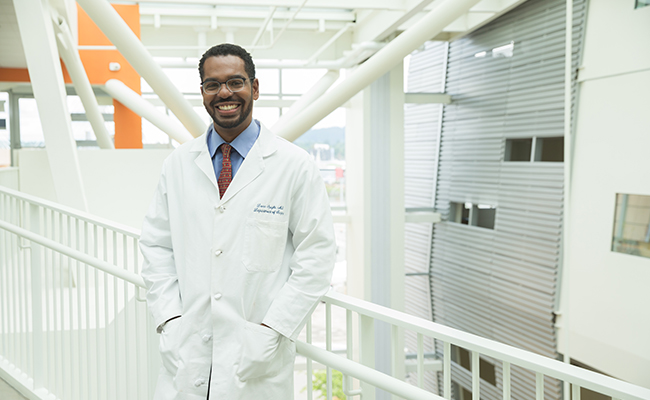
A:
x: 9, y: 177
x: 119, y: 184
x: 608, y: 292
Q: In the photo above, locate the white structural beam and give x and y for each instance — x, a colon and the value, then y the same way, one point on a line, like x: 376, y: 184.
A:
x: 325, y: 4
x: 247, y: 26
x: 39, y: 43
x: 72, y: 61
x: 253, y: 16
x: 378, y: 25
x: 383, y: 61
x: 319, y: 88
x: 480, y: 15
x: 114, y: 27
x: 125, y: 95
x: 375, y: 205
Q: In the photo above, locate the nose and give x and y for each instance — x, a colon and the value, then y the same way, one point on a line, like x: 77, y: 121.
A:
x: 224, y: 91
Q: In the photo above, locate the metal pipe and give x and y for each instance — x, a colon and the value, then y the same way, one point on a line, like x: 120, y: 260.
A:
x: 284, y: 28
x: 260, y: 32
x: 329, y: 42
x: 75, y: 67
x: 319, y: 88
x: 114, y: 27
x: 122, y: 93
x: 383, y: 61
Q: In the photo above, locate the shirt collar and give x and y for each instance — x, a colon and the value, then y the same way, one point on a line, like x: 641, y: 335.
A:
x: 242, y: 143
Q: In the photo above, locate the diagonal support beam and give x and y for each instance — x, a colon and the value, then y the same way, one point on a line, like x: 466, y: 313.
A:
x: 70, y: 56
x: 114, y: 27
x: 39, y: 43
x: 383, y: 61
x: 122, y: 93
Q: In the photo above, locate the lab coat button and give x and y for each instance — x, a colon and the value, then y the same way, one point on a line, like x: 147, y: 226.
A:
x: 198, y: 382
x: 217, y: 296
x: 206, y: 338
x: 218, y: 253
x: 222, y: 208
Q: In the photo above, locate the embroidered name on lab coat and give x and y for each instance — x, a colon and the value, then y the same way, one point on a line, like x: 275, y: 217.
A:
x: 269, y: 209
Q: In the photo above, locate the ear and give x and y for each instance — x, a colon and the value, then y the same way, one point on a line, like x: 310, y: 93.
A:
x: 256, y: 89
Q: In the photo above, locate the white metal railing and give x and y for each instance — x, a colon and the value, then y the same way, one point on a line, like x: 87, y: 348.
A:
x: 91, y: 337
x: 73, y: 321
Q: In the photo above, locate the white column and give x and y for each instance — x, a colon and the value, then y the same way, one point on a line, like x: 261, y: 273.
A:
x: 375, y: 173
x: 37, y: 35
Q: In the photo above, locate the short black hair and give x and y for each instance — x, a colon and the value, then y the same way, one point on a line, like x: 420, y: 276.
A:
x: 229, y: 49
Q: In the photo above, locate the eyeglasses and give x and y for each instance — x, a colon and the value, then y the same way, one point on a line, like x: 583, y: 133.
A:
x: 233, y: 84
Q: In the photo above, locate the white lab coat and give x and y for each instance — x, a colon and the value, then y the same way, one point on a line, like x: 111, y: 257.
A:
x: 262, y: 254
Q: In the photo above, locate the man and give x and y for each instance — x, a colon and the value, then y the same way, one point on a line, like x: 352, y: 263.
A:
x: 238, y: 248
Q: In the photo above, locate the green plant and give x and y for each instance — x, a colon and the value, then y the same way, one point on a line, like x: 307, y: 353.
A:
x: 320, y: 384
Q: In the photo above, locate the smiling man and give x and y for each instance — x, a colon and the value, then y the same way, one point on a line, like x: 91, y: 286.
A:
x: 238, y: 247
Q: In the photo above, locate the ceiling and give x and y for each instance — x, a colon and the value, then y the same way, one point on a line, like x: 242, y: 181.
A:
x: 317, y: 33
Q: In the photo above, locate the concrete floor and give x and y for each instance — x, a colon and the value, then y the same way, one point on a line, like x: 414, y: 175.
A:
x: 8, y: 393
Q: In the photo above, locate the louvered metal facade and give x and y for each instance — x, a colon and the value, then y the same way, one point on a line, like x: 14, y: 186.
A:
x: 499, y: 283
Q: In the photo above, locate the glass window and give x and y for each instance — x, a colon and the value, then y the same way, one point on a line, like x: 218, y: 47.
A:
x: 484, y: 215
x: 546, y: 149
x: 459, y: 212
x: 5, y: 137
x: 31, y: 131
x: 549, y: 149
x: 518, y: 149
x: 481, y: 215
x: 632, y: 225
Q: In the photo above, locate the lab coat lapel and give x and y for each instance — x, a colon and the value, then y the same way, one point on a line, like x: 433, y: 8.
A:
x: 203, y: 159
x: 253, y: 164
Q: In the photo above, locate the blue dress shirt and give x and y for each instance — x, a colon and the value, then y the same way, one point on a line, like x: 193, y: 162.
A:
x: 241, y: 146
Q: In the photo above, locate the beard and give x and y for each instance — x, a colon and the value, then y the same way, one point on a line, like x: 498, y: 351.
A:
x: 229, y: 124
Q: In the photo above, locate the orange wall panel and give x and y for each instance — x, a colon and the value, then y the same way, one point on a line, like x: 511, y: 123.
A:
x: 22, y: 74
x: 127, y: 119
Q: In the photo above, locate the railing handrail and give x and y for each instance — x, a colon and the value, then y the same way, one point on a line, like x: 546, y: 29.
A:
x: 501, y: 351
x: 523, y: 358
x: 76, y: 254
x: 364, y: 373
x: 73, y: 212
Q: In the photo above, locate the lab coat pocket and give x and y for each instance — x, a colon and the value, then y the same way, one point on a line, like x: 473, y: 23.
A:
x: 264, y: 352
x: 169, y: 345
x: 264, y: 244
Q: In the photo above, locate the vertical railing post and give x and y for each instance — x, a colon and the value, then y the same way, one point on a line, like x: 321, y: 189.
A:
x: 37, y: 299
x: 367, y: 351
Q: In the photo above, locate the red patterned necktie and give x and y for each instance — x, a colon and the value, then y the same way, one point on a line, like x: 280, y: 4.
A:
x: 225, y: 177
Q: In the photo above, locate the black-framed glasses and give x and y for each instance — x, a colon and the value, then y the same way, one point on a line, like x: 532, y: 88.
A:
x: 233, y: 84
